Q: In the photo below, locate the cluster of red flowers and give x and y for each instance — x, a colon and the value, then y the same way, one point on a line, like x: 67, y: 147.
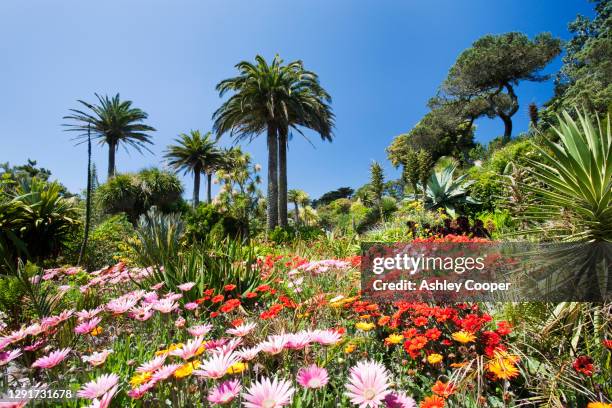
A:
x: 450, y: 238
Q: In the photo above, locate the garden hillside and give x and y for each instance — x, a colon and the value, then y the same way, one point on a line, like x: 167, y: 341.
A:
x: 129, y: 294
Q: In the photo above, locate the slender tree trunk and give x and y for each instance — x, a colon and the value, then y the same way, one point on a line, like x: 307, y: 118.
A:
x: 282, y: 177
x: 297, y: 213
x: 196, y: 187
x: 507, y: 127
x: 272, y: 210
x: 209, y: 188
x: 87, y: 200
x: 112, y: 149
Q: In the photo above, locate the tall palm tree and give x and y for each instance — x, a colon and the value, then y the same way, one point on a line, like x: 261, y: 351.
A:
x: 112, y: 122
x: 196, y: 154
x: 297, y: 197
x: 273, y: 98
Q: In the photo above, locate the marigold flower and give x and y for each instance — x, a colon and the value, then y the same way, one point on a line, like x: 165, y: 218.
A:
x: 433, y: 401
x: 434, y: 358
x: 349, y: 348
x: 394, y: 338
x: 463, y: 337
x: 443, y: 389
x: 599, y: 405
x: 365, y: 326
x: 502, y: 368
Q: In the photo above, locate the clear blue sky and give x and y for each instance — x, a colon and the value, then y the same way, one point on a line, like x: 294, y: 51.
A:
x: 380, y: 60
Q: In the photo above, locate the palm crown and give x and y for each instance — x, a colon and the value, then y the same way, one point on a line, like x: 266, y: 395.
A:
x: 194, y: 153
x: 273, y: 97
x: 112, y: 122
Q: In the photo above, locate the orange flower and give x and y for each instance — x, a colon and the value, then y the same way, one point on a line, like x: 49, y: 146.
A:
x: 250, y: 295
x: 217, y: 299
x: 96, y: 331
x: 230, y: 305
x: 228, y: 288
x: 383, y: 320
x: 442, y: 389
x: 433, y: 401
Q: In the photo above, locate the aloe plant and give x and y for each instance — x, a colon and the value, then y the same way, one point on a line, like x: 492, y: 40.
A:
x: 574, y: 181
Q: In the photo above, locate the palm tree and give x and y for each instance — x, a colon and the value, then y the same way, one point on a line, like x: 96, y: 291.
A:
x: 273, y: 98
x: 297, y: 197
x: 112, y: 122
x: 196, y: 154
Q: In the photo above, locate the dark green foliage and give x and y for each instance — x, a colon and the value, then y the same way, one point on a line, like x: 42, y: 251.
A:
x: 426, y: 164
x: 134, y: 194
x: 342, y: 192
x: 206, y: 220
x: 585, y: 79
x: 497, y: 63
x: 292, y: 233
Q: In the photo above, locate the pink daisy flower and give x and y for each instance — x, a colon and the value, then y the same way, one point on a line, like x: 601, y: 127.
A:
x: 399, y: 400
x: 105, y: 401
x: 217, y: 365
x: 150, y: 297
x: 191, y: 306
x: 274, y: 344
x: 99, y: 386
x: 87, y: 326
x: 268, y: 394
x: 325, y: 337
x: 52, y: 359
x: 368, y: 384
x: 247, y: 354
x: 97, y: 358
x: 157, y: 286
x: 189, y: 349
x: 224, y: 392
x: 180, y: 322
x: 8, y: 356
x: 88, y: 314
x: 141, y: 313
x: 165, y: 305
x: 298, y: 340
x: 164, y: 372
x: 152, y: 365
x: 35, y: 346
x: 312, y: 377
x: 200, y: 330
x: 121, y: 305
x: 242, y: 330
x: 137, y: 393
x: 186, y: 286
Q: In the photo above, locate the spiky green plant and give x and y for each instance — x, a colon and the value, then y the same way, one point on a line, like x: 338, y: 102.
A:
x: 574, y: 181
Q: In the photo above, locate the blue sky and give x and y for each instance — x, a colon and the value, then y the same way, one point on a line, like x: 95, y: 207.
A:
x: 380, y: 61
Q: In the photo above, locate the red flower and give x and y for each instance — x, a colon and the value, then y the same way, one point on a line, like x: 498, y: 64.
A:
x: 420, y: 321
x: 383, y: 320
x: 230, y: 287
x: 607, y: 344
x: 208, y: 292
x: 230, y: 305
x: 237, y: 322
x: 433, y: 401
x: 274, y: 310
x: 262, y: 288
x: 287, y: 302
x: 504, y: 328
x: 584, y: 365
x: 217, y: 299
x: 250, y: 295
x: 433, y: 334
x: 214, y: 314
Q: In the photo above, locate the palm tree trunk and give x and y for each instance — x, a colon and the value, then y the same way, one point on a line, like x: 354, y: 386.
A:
x: 112, y: 149
x: 209, y: 188
x: 282, y: 177
x: 196, y: 187
x: 272, y: 211
x: 87, y: 200
x: 297, y: 213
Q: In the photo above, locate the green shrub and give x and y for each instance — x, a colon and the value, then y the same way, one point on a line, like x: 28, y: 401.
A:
x: 106, y: 242
x: 206, y: 220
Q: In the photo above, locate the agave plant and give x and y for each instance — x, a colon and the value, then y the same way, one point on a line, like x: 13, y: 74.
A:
x: 574, y: 188
x: 444, y: 191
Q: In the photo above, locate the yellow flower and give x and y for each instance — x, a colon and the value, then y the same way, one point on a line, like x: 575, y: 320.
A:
x: 237, y: 368
x: 502, y: 368
x: 350, y: 348
x: 365, y: 326
x: 599, y: 405
x: 434, y: 358
x: 139, y: 379
x: 170, y: 348
x: 186, y: 369
x: 96, y: 331
x: 463, y: 337
x: 394, y: 339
